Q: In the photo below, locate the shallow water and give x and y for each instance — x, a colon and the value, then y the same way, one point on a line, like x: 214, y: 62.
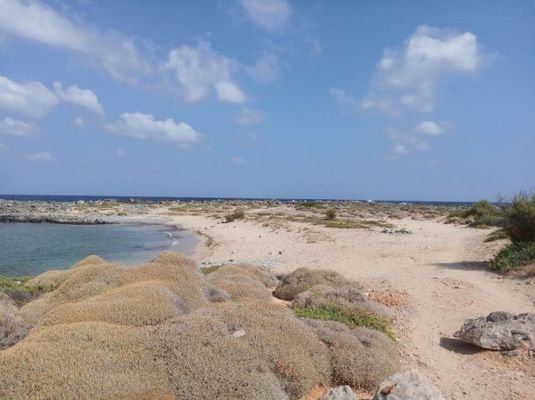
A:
x: 29, y: 249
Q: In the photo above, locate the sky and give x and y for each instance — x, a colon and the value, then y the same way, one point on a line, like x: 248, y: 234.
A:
x: 413, y: 100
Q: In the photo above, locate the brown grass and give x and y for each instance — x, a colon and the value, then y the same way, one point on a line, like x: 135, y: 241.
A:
x: 244, y: 282
x: 303, y: 279
x: 165, y: 331
x: 360, y: 358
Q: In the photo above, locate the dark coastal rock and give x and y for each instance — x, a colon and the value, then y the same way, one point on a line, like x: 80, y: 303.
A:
x: 407, y: 385
x: 339, y: 393
x: 499, y: 331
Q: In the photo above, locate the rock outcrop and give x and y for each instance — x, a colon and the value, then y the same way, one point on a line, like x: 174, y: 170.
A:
x: 500, y: 331
x: 339, y: 393
x: 407, y: 385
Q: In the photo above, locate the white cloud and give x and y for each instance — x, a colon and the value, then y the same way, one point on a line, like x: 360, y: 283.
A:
x: 35, y: 21
x: 3, y: 147
x: 15, y: 127
x: 28, y: 98
x: 78, y: 121
x: 430, y: 128
x: 399, y: 149
x: 81, y: 97
x: 269, y: 15
x: 39, y: 157
x: 144, y: 126
x: 120, y: 153
x: 409, y: 76
x: 200, y: 70
x: 346, y: 102
x: 34, y: 99
x: 247, y: 117
x: 267, y: 67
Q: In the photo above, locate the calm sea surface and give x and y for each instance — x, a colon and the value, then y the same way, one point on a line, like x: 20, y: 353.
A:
x: 29, y: 249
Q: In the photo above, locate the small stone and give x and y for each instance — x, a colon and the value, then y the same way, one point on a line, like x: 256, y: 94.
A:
x: 339, y: 393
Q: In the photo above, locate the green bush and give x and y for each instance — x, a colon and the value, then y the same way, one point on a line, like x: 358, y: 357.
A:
x: 20, y: 291
x: 515, y: 255
x: 483, y: 214
x: 330, y: 214
x: 364, y: 319
x: 520, y: 219
x: 237, y: 214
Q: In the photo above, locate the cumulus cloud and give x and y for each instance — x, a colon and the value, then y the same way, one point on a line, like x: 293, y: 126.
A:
x: 200, y: 70
x: 269, y: 15
x: 28, y: 98
x: 145, y: 126
x: 345, y: 101
x: 81, y: 97
x: 15, y: 127
x: 267, y: 68
x: 36, y: 21
x: 430, y: 128
x: 39, y: 157
x: 247, y: 117
x: 410, y: 75
x: 34, y: 99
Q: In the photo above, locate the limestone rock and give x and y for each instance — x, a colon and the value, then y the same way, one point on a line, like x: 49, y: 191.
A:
x: 499, y: 331
x: 339, y: 393
x: 407, y: 385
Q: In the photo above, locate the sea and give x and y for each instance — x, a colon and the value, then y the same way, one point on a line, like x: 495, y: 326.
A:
x: 28, y: 249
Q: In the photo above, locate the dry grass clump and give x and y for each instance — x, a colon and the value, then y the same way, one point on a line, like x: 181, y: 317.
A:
x: 111, y: 293
x: 51, y: 278
x: 242, y: 351
x: 244, y: 282
x: 89, y: 260
x: 138, y: 304
x: 81, y: 361
x: 347, y: 297
x: 360, y: 358
x: 12, y: 327
x: 164, y: 330
x: 303, y: 279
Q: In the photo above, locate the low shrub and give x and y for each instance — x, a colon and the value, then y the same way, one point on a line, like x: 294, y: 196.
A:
x: 513, y: 256
x: 330, y: 214
x: 499, y: 234
x: 237, y: 214
x: 520, y: 217
x: 12, y: 327
x: 482, y: 214
x: 20, y: 291
x: 352, y: 318
x: 303, y: 279
x: 360, y: 357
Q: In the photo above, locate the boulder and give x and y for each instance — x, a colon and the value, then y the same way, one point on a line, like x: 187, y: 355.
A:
x: 407, y: 385
x: 339, y: 393
x: 499, y: 331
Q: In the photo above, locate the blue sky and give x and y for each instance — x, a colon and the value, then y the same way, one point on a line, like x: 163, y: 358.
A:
x: 426, y: 100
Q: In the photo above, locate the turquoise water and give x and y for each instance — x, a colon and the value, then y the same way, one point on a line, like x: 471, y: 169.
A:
x: 29, y: 249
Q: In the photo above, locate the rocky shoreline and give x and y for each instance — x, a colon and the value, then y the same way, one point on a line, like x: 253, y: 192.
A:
x: 44, y: 212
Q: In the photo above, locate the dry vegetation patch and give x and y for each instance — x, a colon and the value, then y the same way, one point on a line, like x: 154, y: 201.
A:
x: 165, y: 330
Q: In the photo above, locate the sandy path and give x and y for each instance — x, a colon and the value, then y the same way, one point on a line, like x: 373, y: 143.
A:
x: 439, y: 266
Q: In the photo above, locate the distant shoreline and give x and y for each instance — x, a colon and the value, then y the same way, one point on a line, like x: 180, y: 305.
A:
x: 157, y: 199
